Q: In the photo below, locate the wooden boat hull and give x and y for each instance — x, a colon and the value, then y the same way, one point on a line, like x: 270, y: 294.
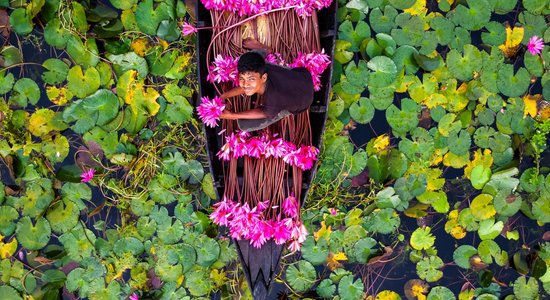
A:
x: 260, y: 265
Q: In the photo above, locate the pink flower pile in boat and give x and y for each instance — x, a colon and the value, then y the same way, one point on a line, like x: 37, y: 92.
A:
x: 535, y: 45
x: 210, y: 110
x: 223, y: 69
x: 250, y: 7
x: 251, y: 224
x: 315, y: 63
x: 240, y: 145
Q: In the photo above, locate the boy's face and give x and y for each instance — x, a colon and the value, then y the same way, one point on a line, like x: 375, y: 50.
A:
x: 252, y: 82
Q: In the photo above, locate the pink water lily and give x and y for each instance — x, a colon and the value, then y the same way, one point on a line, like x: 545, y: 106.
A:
x: 210, y: 110
x: 535, y: 45
x: 246, y: 8
x: 87, y: 175
x: 315, y: 63
x: 188, y: 29
x: 290, y: 207
x: 134, y: 296
x: 223, y: 69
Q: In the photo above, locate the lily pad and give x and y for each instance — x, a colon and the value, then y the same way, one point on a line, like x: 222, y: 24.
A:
x: 129, y: 61
x: 362, y: 111
x: 148, y: 18
x: 405, y: 119
x: 482, y: 207
x: 198, y: 282
x: 83, y: 84
x: 63, y: 216
x: 9, y: 293
x: 496, y: 34
x: 541, y: 209
x: 356, y: 35
x: 488, y: 229
x: 10, y: 55
x: 510, y: 84
x: 192, y: 171
x: 350, y: 289
x: 404, y: 58
x: 85, y: 53
x: 97, y: 109
x: 326, y: 288
x: 79, y: 243
x: 383, y: 221
x: 170, y: 233
x: 6, y: 82
x: 301, y: 275
x: 383, y: 22
x: 422, y: 239
x: 507, y: 203
x: 462, y: 255
x: 57, y: 71
x: 428, y: 268
x: 128, y: 245
x: 33, y: 236
x: 459, y: 143
x: 44, y: 121
x: 364, y: 249
x: 464, y: 66
x: 411, y: 30
x: 315, y: 252
x: 473, y: 17
x: 526, y: 289
x: 441, y: 293
x: 8, y: 215
x: 26, y: 90
x: 444, y: 29
x: 21, y: 21
x: 208, y: 251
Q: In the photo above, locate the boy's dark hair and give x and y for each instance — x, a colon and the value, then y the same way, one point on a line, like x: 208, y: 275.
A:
x: 251, y: 62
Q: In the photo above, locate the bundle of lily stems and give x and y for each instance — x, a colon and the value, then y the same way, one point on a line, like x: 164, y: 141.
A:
x: 268, y: 198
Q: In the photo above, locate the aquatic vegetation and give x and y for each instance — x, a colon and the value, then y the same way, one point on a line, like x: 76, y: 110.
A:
x: 434, y: 159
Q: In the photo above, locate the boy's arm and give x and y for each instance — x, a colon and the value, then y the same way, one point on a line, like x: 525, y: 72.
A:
x: 232, y: 93
x: 256, y: 113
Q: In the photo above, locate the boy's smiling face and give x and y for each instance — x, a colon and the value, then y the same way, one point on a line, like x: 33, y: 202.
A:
x: 252, y: 82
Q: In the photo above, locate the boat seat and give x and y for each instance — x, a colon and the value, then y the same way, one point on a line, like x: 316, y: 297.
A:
x: 327, y: 33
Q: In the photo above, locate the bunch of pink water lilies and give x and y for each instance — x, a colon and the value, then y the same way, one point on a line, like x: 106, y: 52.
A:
x: 240, y: 144
x: 303, y: 8
x: 252, y: 223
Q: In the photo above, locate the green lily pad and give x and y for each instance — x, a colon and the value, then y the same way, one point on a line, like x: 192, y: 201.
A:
x: 170, y: 233
x: 57, y: 71
x: 428, y: 43
x: 123, y: 4
x: 536, y: 7
x: 76, y: 192
x: 38, y: 196
x: 411, y: 30
x: 146, y: 227
x: 316, y: 253
x: 488, y: 229
x: 43, y: 121
x: 444, y: 29
x: 26, y: 90
x: 464, y: 66
x: 486, y: 117
x: 533, y: 25
x: 85, y: 53
x: 56, y: 149
x: 506, y: 203
x: 187, y: 256
x: 362, y: 111
x: 326, y: 288
x: 160, y: 188
x: 33, y: 236
x: 383, y: 221
x: 404, y: 120
x: 441, y: 293
x: 467, y: 220
x: 526, y: 289
x: 354, y: 233
x: 480, y: 176
x: 422, y: 239
x: 79, y: 243
x: 97, y: 109
x: 208, y: 251
x: 192, y: 171
x: 475, y: 16
x: 6, y: 82
x: 461, y: 38
x: 129, y: 61
x: 404, y: 58
x: 301, y: 276
x: 21, y: 21
x: 364, y: 249
x: 350, y: 289
x: 128, y: 245
x: 459, y: 143
x: 384, y: 71
x: 402, y: 4
x: 496, y: 34
x: 383, y: 22
x: 356, y: 35
x: 83, y: 84
x: 533, y: 64
x: 149, y: 18
x: 428, y: 63
x: 198, y: 282
x: 341, y: 53
x: 63, y: 216
x: 510, y: 84
x: 9, y: 293
x: 55, y: 34
x: 8, y: 215
x: 541, y: 209
x: 428, y: 268
x: 10, y: 55
x: 462, y: 255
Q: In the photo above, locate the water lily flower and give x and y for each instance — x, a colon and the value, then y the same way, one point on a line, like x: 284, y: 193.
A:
x: 290, y: 206
x: 333, y: 211
x: 188, y: 29
x: 223, y: 212
x: 87, y: 175
x: 210, y: 110
x: 281, y: 233
x: 535, y: 45
x: 294, y: 246
x: 223, y: 69
x: 134, y: 296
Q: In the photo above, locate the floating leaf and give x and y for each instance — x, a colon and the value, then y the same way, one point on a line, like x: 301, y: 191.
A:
x: 459, y: 144
x: 475, y: 16
x: 301, y: 275
x: 9, y: 293
x: 85, y: 54
x: 148, y: 19
x: 129, y: 61
x: 57, y: 71
x: 350, y: 289
x: 6, y: 82
x: 97, y: 109
x: 128, y: 245
x: 364, y: 249
x: 480, y: 176
x: 44, y: 120
x: 422, y: 239
x: 38, y: 196
x: 383, y: 22
x: 21, y: 21
x: 59, y: 96
x: 387, y: 295
x: 83, y: 84
x: 326, y: 288
x: 482, y: 207
x: 208, y: 250
x: 63, y: 216
x: 411, y: 31
x: 506, y: 203
x: 541, y: 209
x: 443, y: 28
x: 404, y: 120
x: 362, y: 111
x: 33, y: 236
x: 8, y: 215
x: 79, y: 243
x: 441, y: 293
x: 514, y: 36
x: 10, y: 55
x: 464, y: 66
x: 510, y: 84
x: 383, y: 221
x: 356, y: 35
x: 496, y: 35
x: 25, y: 90
x: 315, y: 252
x: 428, y: 268
x: 198, y: 282
x: 171, y: 233
x: 526, y: 289
x: 462, y: 255
x: 488, y: 229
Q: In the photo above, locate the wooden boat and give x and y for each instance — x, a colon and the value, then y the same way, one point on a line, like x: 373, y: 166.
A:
x: 260, y: 265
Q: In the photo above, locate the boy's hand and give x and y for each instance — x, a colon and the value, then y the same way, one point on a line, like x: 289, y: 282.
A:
x: 228, y: 115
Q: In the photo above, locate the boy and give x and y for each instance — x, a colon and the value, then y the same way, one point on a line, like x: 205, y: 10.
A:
x: 284, y: 91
